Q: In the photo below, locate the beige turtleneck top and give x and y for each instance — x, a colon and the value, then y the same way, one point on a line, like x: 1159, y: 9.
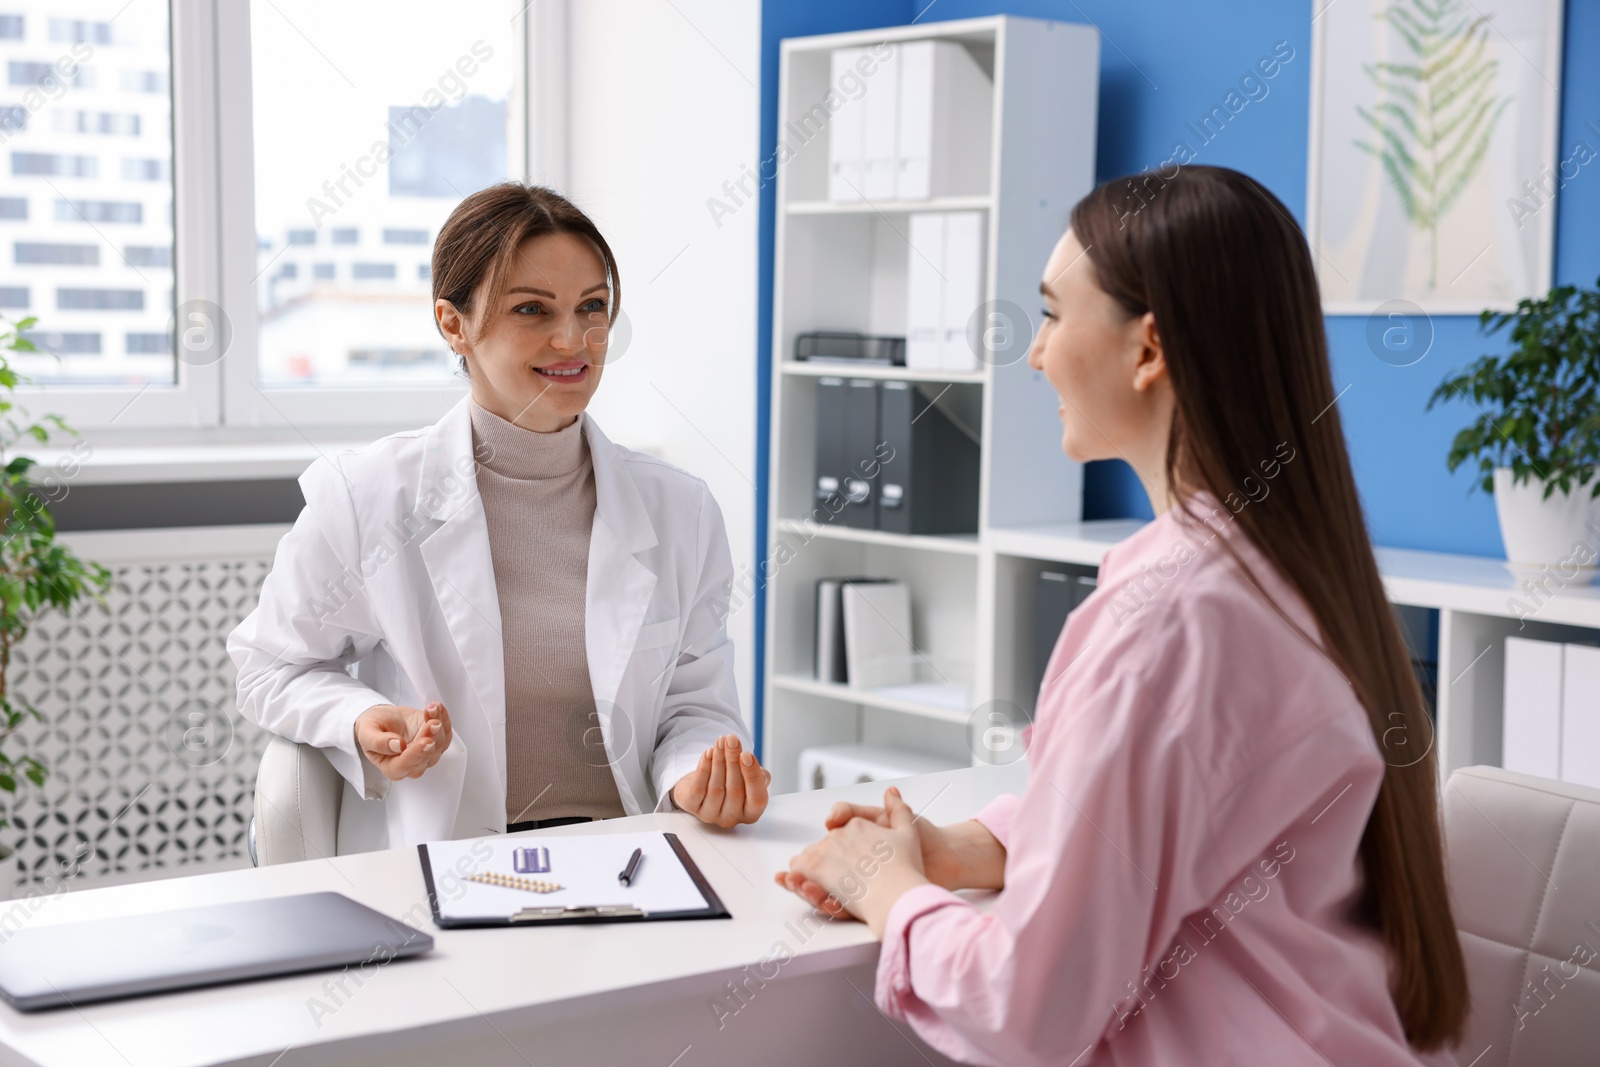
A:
x: 539, y: 499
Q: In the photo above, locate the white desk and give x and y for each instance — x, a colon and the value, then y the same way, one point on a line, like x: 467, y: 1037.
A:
x: 638, y: 994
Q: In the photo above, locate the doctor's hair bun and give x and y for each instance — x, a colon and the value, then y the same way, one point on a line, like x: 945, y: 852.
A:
x: 478, y: 243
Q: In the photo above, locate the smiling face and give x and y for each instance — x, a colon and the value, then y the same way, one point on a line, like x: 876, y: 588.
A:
x: 1107, y: 366
x: 535, y: 355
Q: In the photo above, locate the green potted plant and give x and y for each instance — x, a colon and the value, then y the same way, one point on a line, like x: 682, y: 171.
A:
x: 36, y: 572
x: 1536, y: 438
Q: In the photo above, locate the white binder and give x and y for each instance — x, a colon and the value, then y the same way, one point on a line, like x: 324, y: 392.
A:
x: 921, y: 128
x: 845, y: 133
x: 963, y: 290
x: 946, y: 122
x: 944, y: 288
x: 914, y: 151
x: 925, y: 293
x: 877, y: 634
x: 882, y: 115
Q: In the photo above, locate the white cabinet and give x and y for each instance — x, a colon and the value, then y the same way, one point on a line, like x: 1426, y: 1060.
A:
x: 1551, y: 723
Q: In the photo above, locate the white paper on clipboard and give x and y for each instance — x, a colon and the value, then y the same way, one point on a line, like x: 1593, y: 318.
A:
x: 585, y: 866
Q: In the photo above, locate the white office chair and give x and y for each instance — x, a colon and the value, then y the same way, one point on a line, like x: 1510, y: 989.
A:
x: 296, y: 816
x: 1524, y: 865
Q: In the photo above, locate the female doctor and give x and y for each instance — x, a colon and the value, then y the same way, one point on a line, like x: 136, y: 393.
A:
x: 505, y: 621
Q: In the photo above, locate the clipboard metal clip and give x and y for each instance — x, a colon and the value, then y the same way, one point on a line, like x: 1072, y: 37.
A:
x: 595, y: 911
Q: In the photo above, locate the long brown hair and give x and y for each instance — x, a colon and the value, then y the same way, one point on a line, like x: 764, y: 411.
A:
x: 478, y: 243
x: 1228, y: 276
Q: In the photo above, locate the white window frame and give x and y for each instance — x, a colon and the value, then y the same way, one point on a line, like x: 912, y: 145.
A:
x: 216, y: 259
x: 195, y: 400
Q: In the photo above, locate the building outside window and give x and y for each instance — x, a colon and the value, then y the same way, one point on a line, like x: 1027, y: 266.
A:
x: 406, y: 126
x: 68, y: 119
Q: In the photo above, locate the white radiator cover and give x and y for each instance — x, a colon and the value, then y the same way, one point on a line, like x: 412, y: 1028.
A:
x: 149, y: 764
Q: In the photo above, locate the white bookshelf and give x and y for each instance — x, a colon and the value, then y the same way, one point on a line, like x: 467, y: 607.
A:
x: 843, y: 266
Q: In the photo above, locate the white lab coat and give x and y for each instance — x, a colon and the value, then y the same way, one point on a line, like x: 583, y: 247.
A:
x: 384, y: 593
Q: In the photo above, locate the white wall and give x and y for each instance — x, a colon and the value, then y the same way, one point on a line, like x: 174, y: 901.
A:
x: 663, y: 109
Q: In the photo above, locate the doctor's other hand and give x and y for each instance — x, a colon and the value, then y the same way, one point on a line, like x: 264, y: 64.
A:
x: 403, y: 742
x: 727, y: 787
x: 862, y: 867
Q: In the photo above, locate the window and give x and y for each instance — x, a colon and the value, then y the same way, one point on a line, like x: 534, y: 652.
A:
x: 407, y: 123
x: 99, y: 211
x: 74, y: 31
x: 57, y: 254
x: 321, y: 150
x: 145, y: 170
x: 144, y: 81
x: 54, y: 163
x: 85, y: 232
x: 46, y: 76
x: 148, y: 255
x: 424, y: 272
x: 154, y: 344
x: 65, y: 344
x: 109, y: 123
x: 100, y: 299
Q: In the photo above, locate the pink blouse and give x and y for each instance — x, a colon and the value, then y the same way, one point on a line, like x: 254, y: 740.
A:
x: 1181, y: 869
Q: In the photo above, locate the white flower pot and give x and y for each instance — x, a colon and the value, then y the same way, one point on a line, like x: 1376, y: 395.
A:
x: 1561, y: 533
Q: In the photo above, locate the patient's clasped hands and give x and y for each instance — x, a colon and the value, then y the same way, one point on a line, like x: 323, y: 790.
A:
x: 874, y: 855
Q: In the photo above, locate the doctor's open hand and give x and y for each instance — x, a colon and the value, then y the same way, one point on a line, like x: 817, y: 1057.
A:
x: 403, y: 742
x: 727, y: 787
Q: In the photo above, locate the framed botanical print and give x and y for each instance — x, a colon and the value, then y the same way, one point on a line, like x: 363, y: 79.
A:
x: 1434, y: 164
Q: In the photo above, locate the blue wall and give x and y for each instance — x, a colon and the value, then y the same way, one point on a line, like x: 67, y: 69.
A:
x: 1163, y: 63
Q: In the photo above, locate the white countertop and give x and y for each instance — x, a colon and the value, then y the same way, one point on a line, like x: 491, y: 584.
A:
x: 509, y: 978
x: 1439, y: 580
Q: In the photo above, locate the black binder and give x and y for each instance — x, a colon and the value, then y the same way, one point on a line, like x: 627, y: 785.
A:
x: 929, y: 482
x: 827, y: 497
x: 860, y: 438
x: 1055, y: 595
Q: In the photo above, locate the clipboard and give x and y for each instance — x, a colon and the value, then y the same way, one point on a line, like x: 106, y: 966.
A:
x: 465, y: 881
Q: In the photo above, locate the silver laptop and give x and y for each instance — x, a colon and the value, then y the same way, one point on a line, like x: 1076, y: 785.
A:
x: 51, y: 966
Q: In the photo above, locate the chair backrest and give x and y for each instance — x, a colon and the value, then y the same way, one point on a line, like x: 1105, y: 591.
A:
x: 1524, y: 860
x: 298, y: 794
